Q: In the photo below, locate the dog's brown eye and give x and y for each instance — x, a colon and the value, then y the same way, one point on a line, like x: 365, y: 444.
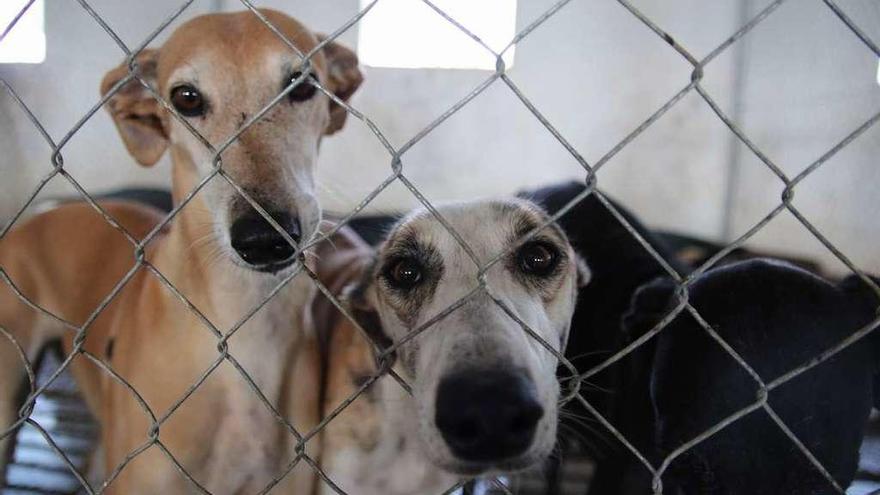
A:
x: 304, y: 90
x: 537, y: 258
x: 188, y: 101
x: 405, y: 274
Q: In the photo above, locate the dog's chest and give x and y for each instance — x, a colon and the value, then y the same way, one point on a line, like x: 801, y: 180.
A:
x: 249, y: 451
x: 265, y: 328
x: 396, y: 465
x: 250, y: 445
x: 393, y: 469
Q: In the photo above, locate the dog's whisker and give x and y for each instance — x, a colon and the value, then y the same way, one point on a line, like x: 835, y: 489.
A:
x: 599, y: 433
x: 588, y: 354
x: 586, y: 385
x: 336, y: 194
x: 585, y: 422
x: 581, y: 437
x: 569, y: 414
x: 201, y: 241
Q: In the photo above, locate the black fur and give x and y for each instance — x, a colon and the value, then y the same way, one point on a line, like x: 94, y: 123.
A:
x: 776, y: 317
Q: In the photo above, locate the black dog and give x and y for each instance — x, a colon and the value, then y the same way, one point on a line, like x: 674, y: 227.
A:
x: 776, y: 317
x: 627, y: 393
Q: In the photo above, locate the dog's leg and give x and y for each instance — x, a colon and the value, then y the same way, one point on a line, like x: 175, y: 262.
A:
x: 15, y: 340
x: 23, y: 331
x: 11, y: 379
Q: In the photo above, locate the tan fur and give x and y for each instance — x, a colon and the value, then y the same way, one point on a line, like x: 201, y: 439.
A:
x: 348, y: 355
x: 68, y: 259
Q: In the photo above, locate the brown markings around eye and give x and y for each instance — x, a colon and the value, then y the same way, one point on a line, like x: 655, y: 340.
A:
x: 407, y: 301
x: 552, y: 239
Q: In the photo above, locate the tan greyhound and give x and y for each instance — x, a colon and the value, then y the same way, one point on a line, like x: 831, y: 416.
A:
x: 218, y: 71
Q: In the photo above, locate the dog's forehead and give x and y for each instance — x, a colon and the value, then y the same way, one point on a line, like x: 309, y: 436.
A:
x: 239, y: 40
x: 487, y: 227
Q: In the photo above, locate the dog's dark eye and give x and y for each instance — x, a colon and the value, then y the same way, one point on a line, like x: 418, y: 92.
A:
x: 405, y: 273
x: 188, y: 101
x: 537, y: 258
x: 304, y: 90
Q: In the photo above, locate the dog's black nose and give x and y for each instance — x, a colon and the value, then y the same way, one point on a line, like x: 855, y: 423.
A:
x: 487, y: 415
x: 260, y: 245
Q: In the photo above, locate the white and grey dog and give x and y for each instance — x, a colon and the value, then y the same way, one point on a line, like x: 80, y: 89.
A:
x: 484, y: 391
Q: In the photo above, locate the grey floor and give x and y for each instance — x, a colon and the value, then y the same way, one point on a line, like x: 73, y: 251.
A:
x: 36, y: 468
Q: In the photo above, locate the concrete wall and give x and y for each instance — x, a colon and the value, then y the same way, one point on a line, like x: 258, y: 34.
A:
x: 593, y: 70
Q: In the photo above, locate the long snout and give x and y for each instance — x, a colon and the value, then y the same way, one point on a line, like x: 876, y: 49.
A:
x: 488, y: 415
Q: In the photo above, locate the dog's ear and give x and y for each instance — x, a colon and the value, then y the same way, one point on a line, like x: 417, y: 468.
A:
x: 135, y: 112
x: 865, y: 305
x: 856, y: 289
x: 359, y: 298
x: 584, y: 274
x: 650, y: 303
x: 345, y: 78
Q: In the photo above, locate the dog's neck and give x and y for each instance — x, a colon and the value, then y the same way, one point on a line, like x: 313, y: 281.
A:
x: 190, y: 257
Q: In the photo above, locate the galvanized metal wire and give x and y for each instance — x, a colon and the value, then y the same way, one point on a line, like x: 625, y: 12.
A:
x: 397, y: 174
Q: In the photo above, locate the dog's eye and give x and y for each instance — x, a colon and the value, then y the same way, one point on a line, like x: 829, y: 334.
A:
x: 537, y: 258
x: 188, y: 101
x: 405, y: 273
x: 304, y: 90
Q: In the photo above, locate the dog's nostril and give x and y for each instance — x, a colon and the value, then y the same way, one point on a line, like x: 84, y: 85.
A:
x: 487, y: 415
x: 260, y: 244
x: 293, y: 229
x: 466, y: 431
x: 524, y: 420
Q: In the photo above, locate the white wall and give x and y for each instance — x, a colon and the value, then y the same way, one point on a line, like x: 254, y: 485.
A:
x: 809, y: 84
x: 593, y: 70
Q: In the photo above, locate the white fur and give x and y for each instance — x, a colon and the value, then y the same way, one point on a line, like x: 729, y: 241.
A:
x: 479, y: 333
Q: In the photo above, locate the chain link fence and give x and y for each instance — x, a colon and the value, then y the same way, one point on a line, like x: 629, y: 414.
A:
x: 397, y: 173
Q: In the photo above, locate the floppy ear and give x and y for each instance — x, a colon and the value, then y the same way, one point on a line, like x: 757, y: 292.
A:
x: 649, y: 304
x: 856, y: 289
x: 584, y: 275
x: 346, y: 267
x: 135, y: 112
x: 345, y: 78
x: 865, y: 303
x: 359, y: 300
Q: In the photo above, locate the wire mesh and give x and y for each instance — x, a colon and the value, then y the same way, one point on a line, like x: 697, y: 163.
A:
x: 397, y: 174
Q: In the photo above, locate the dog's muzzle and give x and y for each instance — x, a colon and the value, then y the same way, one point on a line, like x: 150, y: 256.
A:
x: 487, y: 416
x: 260, y: 245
